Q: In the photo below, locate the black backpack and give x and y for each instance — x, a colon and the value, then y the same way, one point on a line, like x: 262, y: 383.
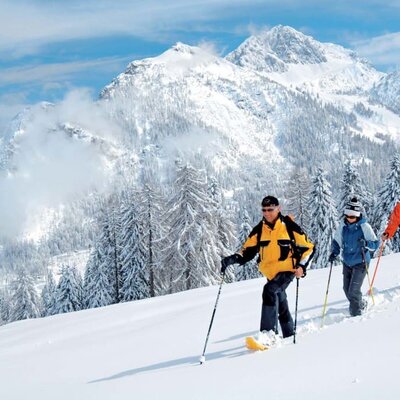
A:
x: 291, y: 227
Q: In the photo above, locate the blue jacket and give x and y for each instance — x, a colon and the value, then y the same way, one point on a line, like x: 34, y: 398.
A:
x: 347, y: 239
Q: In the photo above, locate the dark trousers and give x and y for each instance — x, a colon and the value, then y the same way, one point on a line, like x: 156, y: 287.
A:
x: 353, y: 278
x: 275, y: 305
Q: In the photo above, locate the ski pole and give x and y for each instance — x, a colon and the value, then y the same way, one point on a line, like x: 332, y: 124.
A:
x: 366, y: 268
x: 376, y: 267
x: 202, y: 358
x: 326, y: 295
x: 295, y: 312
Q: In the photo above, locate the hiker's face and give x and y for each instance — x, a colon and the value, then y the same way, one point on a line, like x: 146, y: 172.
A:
x: 350, y: 219
x: 271, y: 213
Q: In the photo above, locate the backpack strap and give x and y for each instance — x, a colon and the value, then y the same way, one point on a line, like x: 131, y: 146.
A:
x: 292, y: 227
x: 259, y: 233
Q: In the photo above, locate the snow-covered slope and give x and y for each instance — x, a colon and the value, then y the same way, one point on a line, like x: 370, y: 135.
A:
x: 387, y: 91
x: 150, y: 349
x: 326, y: 71
x: 206, y: 102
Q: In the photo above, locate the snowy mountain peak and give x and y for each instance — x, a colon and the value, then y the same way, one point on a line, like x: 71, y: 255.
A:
x: 186, y: 55
x: 174, y: 63
x: 272, y: 50
x: 183, y: 48
x: 294, y: 59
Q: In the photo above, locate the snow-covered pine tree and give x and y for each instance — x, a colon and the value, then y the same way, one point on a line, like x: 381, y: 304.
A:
x: 5, y: 307
x: 324, y: 218
x: 150, y: 212
x: 115, y: 249
x: 250, y: 270
x: 135, y: 277
x: 298, y: 197
x: 352, y: 186
x: 109, y: 249
x: 49, y: 295
x: 25, y: 302
x: 387, y: 197
x: 2, y: 302
x: 151, y: 207
x: 225, y: 227
x: 6, y: 304
x: 191, y: 253
x: 69, y: 291
x: 97, y: 288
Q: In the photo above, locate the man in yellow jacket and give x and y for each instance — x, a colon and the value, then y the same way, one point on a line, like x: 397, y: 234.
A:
x: 284, y: 253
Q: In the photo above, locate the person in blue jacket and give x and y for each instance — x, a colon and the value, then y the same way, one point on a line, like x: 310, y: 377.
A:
x: 356, y: 240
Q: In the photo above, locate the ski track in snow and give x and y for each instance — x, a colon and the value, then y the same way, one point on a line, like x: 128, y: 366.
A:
x: 338, y: 312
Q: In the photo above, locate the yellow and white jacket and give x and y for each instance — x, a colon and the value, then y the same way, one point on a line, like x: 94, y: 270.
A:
x: 275, y: 247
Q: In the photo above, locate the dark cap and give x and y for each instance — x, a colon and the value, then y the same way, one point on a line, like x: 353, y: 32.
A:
x: 269, y: 201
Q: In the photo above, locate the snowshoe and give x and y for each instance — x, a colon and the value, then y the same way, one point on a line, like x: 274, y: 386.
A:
x: 253, y: 344
x: 263, y: 341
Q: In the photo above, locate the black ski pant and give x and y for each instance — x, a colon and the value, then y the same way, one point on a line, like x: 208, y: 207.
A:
x: 275, y: 305
x: 353, y: 278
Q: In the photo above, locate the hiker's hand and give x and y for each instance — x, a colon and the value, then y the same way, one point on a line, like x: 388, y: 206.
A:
x: 362, y: 242
x: 332, y: 258
x: 385, y: 236
x: 227, y: 261
x: 299, y: 272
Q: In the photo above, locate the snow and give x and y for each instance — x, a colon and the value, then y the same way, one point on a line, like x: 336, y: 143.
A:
x: 382, y: 121
x: 150, y: 349
x: 78, y: 259
x: 39, y: 222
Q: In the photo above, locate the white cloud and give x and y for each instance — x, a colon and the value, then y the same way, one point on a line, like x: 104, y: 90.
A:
x: 43, y: 73
x: 381, y: 50
x: 49, y: 78
x: 28, y: 25
x: 50, y: 167
x: 210, y: 47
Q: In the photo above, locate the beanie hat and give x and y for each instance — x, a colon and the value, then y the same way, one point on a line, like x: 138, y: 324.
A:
x: 353, y: 207
x: 269, y: 201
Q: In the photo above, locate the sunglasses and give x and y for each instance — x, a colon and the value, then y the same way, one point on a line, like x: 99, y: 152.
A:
x: 350, y: 217
x: 268, y: 209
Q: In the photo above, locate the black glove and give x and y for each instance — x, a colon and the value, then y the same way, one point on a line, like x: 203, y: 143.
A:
x: 227, y: 261
x: 332, y: 258
x: 362, y: 242
x: 304, y: 269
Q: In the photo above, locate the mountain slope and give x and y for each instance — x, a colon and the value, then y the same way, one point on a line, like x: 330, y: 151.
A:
x: 189, y: 93
x: 387, y: 92
x: 239, y: 116
x: 150, y: 348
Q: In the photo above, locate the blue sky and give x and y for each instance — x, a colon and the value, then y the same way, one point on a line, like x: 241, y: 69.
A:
x: 49, y: 47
